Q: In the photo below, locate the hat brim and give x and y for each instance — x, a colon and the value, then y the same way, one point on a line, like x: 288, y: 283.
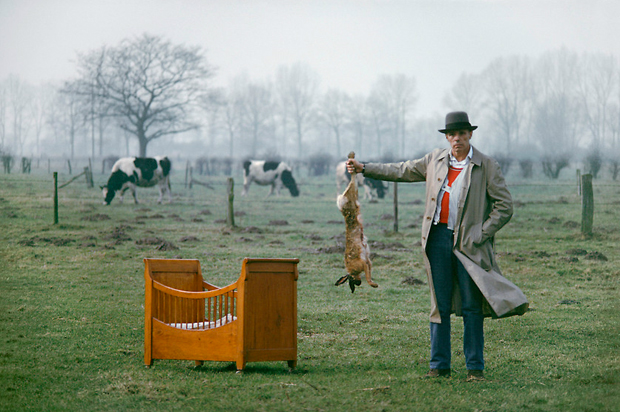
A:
x: 444, y: 131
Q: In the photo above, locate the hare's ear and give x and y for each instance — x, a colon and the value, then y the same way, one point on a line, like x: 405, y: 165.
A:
x: 342, y: 280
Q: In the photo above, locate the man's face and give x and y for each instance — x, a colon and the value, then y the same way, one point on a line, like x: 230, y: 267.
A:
x: 459, y: 141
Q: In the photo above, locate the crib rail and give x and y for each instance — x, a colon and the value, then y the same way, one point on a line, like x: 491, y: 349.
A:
x: 194, y: 310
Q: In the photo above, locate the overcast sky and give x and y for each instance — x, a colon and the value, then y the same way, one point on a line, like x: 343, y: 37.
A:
x: 349, y: 43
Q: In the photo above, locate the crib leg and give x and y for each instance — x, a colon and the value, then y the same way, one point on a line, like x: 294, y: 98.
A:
x: 240, y: 366
x: 199, y: 363
x: 292, y: 364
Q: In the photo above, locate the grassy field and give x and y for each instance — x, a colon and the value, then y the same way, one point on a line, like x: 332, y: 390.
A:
x: 72, y: 296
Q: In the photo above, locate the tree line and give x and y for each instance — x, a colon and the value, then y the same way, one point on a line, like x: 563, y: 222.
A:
x: 556, y: 108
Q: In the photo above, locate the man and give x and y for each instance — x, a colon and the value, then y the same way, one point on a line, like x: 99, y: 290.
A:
x: 467, y: 202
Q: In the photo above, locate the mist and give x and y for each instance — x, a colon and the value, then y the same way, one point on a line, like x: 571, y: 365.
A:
x: 354, y: 49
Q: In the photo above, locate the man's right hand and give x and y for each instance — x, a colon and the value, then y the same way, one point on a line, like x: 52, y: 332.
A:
x: 353, y: 166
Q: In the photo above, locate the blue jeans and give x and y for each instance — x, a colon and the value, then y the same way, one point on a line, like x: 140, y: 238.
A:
x: 447, y: 271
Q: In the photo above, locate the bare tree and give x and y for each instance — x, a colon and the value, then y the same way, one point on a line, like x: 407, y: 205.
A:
x: 509, y: 96
x: 3, y: 115
x: 357, y: 115
x: 467, y: 94
x: 256, y: 113
x: 333, y: 112
x: 557, y: 119
x: 148, y: 83
x: 597, y: 82
x: 67, y: 120
x: 299, y: 83
x: 20, y: 96
x: 392, y: 99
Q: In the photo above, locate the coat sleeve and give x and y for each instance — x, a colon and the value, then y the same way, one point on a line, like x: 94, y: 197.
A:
x: 409, y: 171
x: 500, y: 201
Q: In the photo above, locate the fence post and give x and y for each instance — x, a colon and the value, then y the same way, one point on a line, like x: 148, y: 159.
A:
x: 55, y: 198
x: 395, y: 206
x: 186, y: 173
x: 69, y: 165
x: 230, y: 216
x: 89, y: 183
x: 578, y: 182
x: 587, y: 205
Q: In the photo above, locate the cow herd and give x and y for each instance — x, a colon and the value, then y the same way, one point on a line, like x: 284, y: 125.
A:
x: 128, y: 173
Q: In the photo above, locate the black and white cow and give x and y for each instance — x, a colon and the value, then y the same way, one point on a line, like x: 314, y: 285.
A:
x: 132, y: 172
x: 343, y: 177
x: 276, y: 174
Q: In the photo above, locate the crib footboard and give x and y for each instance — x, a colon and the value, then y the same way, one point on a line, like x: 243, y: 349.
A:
x: 187, y: 324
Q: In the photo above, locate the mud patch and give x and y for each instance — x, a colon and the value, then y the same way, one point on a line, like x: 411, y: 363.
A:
x: 119, y: 235
x: 338, y: 248
x: 97, y: 217
x: 278, y: 223
x: 594, y: 255
x: 165, y: 245
x: 189, y: 239
x: 540, y: 254
x: 49, y: 240
x: 411, y: 281
x: 569, y: 302
x: 306, y: 222
x: 149, y: 241
x: 577, y: 252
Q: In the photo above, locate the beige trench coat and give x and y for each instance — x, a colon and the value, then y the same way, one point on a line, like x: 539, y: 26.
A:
x: 484, y: 207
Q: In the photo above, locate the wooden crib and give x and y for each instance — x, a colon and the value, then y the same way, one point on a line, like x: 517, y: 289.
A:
x: 253, y: 319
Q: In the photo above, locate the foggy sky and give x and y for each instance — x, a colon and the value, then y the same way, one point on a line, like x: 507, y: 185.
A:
x: 349, y: 43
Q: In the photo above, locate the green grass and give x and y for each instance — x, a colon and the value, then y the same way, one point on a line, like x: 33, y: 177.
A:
x: 71, y: 303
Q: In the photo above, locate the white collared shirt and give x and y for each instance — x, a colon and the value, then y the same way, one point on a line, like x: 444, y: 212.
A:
x: 454, y: 190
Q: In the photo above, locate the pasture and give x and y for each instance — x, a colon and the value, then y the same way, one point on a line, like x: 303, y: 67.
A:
x: 72, y: 314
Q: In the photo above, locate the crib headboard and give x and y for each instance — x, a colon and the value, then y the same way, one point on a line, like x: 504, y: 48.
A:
x: 268, y: 310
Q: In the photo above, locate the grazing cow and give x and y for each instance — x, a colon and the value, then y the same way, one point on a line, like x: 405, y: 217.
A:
x: 357, y: 252
x: 132, y: 172
x: 276, y: 174
x: 370, y: 185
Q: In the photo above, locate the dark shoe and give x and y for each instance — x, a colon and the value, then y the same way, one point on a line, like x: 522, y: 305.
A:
x: 475, y: 376
x: 437, y: 373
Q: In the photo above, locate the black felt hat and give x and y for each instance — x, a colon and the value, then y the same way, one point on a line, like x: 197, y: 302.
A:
x: 457, y: 121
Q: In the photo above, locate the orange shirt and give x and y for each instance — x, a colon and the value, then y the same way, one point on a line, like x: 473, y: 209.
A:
x: 445, y: 200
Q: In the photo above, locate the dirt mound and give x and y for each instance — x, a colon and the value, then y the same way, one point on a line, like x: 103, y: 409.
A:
x: 189, y: 239
x: 571, y: 224
x: 594, y: 255
x: 96, y: 217
x: 410, y: 280
x: 118, y: 234
x: 150, y: 241
x: 165, y: 245
x: 278, y: 223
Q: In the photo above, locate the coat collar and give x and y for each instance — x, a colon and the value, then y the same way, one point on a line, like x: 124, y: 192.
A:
x: 476, y: 157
